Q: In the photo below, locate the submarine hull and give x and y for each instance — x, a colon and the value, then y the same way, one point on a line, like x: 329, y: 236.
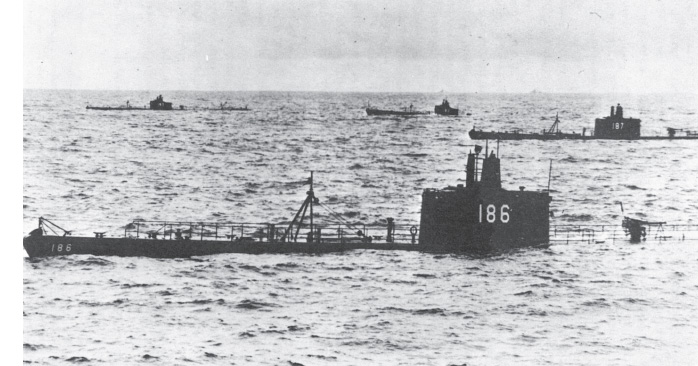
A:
x: 484, y: 135
x: 117, y: 108
x: 49, y: 245
x: 381, y: 112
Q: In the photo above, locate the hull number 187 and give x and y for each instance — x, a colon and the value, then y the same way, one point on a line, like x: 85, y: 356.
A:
x: 490, y: 214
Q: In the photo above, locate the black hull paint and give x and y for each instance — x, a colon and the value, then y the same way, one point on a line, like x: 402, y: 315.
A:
x: 48, y: 246
x: 445, y: 111
x: 473, y: 219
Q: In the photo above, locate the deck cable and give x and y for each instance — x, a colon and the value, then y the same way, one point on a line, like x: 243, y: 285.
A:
x: 338, y: 217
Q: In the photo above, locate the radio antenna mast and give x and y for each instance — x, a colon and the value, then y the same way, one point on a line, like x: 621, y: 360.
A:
x: 550, y: 174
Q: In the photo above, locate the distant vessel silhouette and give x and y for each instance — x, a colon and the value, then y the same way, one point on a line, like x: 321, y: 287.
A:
x: 445, y: 109
x: 223, y: 107
x: 157, y: 104
x: 612, y: 127
x: 404, y: 112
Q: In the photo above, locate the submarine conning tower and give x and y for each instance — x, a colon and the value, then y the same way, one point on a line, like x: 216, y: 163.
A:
x: 490, y: 175
x: 617, y: 127
x: 483, y: 216
x: 159, y: 104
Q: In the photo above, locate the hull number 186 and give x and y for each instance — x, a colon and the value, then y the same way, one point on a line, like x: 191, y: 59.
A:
x: 490, y: 213
x: 60, y: 248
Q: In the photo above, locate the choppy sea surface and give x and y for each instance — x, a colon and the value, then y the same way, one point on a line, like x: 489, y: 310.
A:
x: 606, y: 302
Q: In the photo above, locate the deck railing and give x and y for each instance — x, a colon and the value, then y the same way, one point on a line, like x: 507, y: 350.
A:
x: 265, y: 232
x: 377, y: 233
x: 600, y: 233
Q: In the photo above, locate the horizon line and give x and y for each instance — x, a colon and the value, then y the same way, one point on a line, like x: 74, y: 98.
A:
x: 535, y: 91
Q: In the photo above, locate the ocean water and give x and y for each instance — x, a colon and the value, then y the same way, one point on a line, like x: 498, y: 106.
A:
x: 576, y: 303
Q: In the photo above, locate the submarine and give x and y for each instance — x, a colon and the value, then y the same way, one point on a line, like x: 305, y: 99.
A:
x: 405, y: 112
x: 478, y: 217
x: 612, y: 127
x: 157, y: 104
x: 445, y: 109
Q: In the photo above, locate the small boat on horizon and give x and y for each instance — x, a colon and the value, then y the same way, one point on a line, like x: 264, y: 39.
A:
x: 223, y: 107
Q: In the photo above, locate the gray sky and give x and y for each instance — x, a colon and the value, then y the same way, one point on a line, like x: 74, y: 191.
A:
x: 459, y: 46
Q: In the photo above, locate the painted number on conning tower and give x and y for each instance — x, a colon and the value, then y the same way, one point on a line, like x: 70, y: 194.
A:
x: 618, y: 125
x: 490, y: 213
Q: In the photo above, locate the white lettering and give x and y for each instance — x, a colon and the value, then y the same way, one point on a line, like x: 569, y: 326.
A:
x: 491, y: 217
x: 492, y: 213
x: 504, y: 215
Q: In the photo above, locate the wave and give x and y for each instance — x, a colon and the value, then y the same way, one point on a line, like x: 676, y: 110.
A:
x: 254, y: 305
x: 428, y: 311
x: 136, y: 285
x: 579, y: 217
x: 94, y: 261
x: 78, y: 359
x: 601, y: 302
x: 203, y: 302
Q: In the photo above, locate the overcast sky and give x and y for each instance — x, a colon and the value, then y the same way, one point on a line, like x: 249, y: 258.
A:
x: 460, y: 46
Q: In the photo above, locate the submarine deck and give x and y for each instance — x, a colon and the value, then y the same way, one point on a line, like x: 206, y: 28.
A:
x: 53, y: 245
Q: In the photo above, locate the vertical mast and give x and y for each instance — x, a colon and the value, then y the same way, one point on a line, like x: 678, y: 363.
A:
x: 312, y: 198
x: 550, y: 174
